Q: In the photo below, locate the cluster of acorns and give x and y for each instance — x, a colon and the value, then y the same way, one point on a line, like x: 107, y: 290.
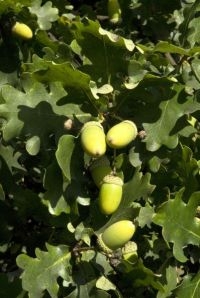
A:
x: 94, y: 142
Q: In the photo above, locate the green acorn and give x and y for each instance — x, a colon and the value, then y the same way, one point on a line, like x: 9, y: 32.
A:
x: 22, y: 30
x: 110, y: 194
x: 93, y: 139
x: 114, y: 11
x: 116, y: 235
x: 121, y: 134
x: 99, y: 169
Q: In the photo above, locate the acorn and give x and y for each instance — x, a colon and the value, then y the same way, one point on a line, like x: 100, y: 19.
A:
x: 93, y: 139
x: 99, y: 169
x: 116, y: 235
x: 22, y: 30
x: 114, y: 11
x: 110, y: 194
x: 121, y: 134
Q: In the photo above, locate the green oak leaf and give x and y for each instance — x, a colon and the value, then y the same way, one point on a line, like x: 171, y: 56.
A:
x: 46, y: 14
x: 188, y: 170
x: 189, y: 28
x: 83, y: 233
x: 140, y: 276
x: 161, y: 132
x: 166, y: 47
x: 8, y: 78
x: 190, y: 75
x: 49, y: 71
x: 10, y: 156
x: 33, y: 145
x: 64, y: 153
x: 65, y: 75
x: 141, y: 185
x: 145, y: 215
x: 99, y: 61
x: 171, y: 283
x: 36, y: 112
x: 195, y: 66
x: 105, y: 284
x: 31, y: 111
x: 44, y: 270
x: 88, y: 290
x: 136, y: 73
x: 178, y: 222
x: 190, y: 286
x: 53, y: 196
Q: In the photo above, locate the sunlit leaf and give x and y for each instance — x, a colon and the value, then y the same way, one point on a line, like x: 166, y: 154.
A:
x: 179, y: 224
x: 45, y: 14
x: 44, y: 270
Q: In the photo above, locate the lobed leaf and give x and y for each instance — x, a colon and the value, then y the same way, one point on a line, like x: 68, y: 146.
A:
x: 161, y: 131
x: 179, y: 224
x: 171, y: 282
x: 46, y: 14
x: 44, y: 270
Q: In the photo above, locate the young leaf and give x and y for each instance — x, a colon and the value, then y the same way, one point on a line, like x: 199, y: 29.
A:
x: 41, y: 273
x: 179, y: 224
x: 45, y: 14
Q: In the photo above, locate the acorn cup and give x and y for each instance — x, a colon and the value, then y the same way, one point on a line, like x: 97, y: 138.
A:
x: 114, y: 11
x: 116, y: 236
x: 93, y: 139
x: 22, y: 31
x: 121, y: 134
x: 110, y: 194
x: 99, y: 169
